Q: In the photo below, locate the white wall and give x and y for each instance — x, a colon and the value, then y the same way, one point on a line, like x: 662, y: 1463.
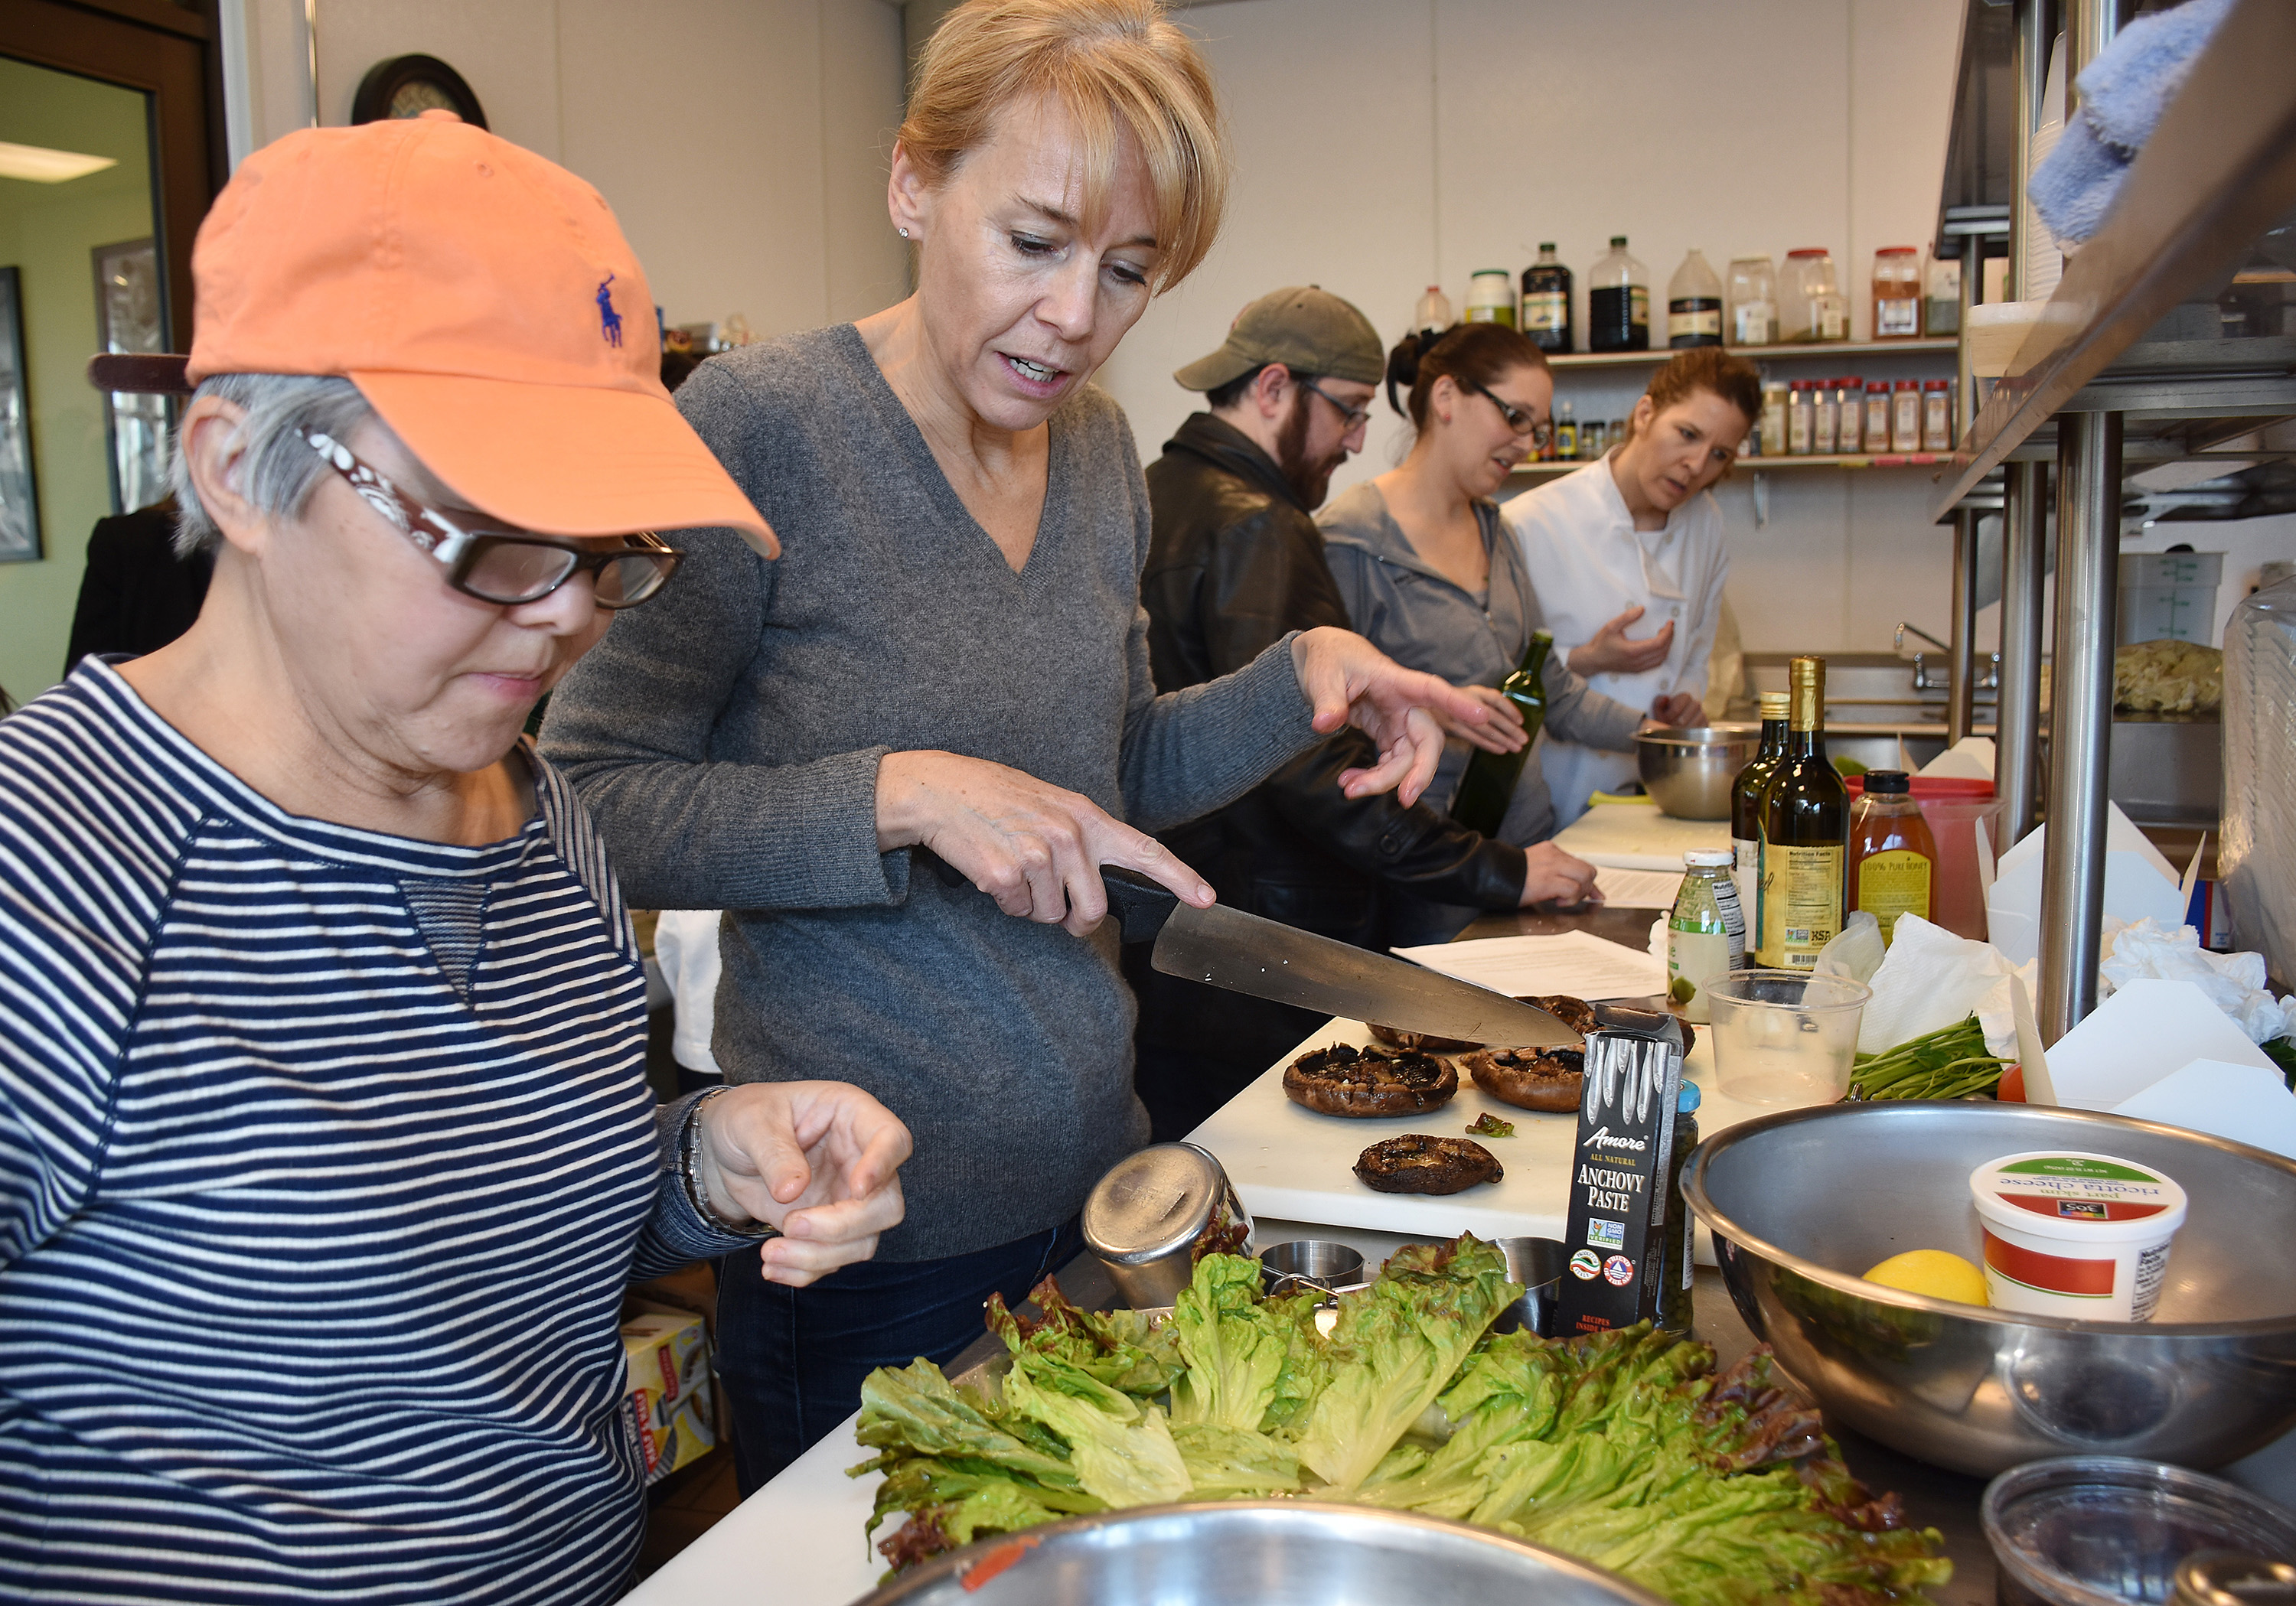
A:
x: 742, y: 143
x: 1384, y: 145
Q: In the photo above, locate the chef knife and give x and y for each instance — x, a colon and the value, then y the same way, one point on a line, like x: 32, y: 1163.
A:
x: 1267, y: 959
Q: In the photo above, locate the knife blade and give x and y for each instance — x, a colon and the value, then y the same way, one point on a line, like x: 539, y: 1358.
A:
x: 1267, y: 959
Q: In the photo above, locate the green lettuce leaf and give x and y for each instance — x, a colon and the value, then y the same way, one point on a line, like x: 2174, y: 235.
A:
x: 1121, y: 1452
x: 1228, y: 1463
x: 1234, y: 1347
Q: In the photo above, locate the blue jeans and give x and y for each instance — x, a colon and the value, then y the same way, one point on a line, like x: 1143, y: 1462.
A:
x: 791, y: 1359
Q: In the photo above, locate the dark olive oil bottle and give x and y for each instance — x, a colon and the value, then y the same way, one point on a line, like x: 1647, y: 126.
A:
x: 1746, y: 812
x: 1488, y: 785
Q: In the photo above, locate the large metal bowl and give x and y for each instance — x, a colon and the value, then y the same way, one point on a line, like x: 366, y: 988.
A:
x: 1690, y: 769
x: 1801, y: 1201
x: 1257, y: 1552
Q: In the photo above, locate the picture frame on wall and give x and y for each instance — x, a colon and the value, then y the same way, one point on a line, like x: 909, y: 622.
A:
x: 130, y: 318
x: 20, y: 502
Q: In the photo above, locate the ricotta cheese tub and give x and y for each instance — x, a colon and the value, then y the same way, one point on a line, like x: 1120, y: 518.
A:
x: 2074, y: 1234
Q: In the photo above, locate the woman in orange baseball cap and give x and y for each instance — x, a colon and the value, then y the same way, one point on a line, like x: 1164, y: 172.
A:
x: 326, y: 1149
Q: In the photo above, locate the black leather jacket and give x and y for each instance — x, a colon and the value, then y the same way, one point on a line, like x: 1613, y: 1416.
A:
x: 1234, y: 563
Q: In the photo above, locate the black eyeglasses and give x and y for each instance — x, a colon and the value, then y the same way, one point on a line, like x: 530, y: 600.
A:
x: 1355, y: 417
x: 504, y: 569
x: 1517, y: 420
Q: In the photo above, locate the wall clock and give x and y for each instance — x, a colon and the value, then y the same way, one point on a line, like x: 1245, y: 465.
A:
x: 409, y: 87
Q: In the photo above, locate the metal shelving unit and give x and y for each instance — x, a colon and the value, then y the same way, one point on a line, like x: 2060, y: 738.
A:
x: 1799, y: 352
x: 2087, y: 387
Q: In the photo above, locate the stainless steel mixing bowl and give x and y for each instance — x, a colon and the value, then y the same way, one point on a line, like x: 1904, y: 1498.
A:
x: 1801, y: 1201
x: 1257, y: 1552
x: 1690, y: 769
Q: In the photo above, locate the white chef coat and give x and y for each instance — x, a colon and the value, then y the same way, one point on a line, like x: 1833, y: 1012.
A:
x: 1588, y: 565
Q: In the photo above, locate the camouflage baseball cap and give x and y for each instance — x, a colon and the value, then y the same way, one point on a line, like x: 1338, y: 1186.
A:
x: 1306, y: 329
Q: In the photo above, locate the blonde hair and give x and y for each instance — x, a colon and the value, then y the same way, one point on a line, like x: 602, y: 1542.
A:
x: 1117, y: 68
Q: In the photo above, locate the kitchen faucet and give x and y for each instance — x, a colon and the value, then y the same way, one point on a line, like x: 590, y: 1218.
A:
x: 1990, y: 681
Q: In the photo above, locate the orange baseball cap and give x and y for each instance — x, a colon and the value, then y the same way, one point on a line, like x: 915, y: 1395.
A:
x: 484, y: 302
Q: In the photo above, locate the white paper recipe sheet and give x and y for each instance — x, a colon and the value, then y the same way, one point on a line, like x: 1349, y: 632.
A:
x: 1577, y: 962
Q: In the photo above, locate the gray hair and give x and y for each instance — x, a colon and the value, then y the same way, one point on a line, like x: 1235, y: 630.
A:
x: 279, y: 469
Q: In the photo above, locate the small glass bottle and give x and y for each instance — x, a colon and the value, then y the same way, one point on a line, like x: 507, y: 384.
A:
x: 1566, y: 432
x: 1941, y: 311
x: 1892, y: 852
x: 1546, y: 301
x: 1678, y: 1258
x: 1850, y: 399
x: 1490, y: 296
x: 1693, y: 304
x: 1774, y: 417
x: 1896, y: 293
x: 1802, y: 418
x: 1877, y: 416
x: 1905, y: 415
x: 1594, y: 439
x: 1434, y: 310
x: 1705, y: 933
x: 1825, y: 418
x: 1618, y: 302
x: 1937, y: 415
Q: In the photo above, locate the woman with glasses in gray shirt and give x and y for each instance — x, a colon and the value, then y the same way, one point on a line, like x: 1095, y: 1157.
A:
x: 1429, y: 573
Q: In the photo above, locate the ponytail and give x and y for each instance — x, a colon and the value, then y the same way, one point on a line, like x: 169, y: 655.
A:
x: 1473, y: 354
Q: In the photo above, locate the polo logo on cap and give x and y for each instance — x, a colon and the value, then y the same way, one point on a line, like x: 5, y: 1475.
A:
x: 609, y: 319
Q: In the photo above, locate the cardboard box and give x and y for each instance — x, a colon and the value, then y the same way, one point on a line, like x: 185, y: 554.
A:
x: 667, y: 1417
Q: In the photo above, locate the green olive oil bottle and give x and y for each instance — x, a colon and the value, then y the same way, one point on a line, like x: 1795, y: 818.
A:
x: 1488, y: 787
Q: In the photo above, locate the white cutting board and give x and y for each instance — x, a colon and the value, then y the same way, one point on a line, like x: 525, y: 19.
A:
x: 1637, y: 836
x: 1290, y: 1163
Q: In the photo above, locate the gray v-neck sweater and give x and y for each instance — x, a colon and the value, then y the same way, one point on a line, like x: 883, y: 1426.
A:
x: 726, y: 737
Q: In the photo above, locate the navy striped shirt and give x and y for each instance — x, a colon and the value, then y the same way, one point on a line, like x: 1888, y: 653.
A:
x: 311, y: 1245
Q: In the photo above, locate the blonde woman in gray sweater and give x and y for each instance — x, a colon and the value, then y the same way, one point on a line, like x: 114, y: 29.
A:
x: 1432, y: 575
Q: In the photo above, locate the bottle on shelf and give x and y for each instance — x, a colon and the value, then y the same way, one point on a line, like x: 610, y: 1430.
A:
x: 1941, y: 308
x: 1490, y: 296
x: 1488, y: 787
x: 1746, y: 810
x: 1811, y: 306
x: 1892, y: 853
x: 1876, y: 435
x: 1774, y: 418
x: 1566, y: 432
x: 1594, y: 439
x: 1896, y: 293
x: 1618, y: 302
x: 1825, y: 418
x: 1849, y: 431
x: 1693, y: 304
x: 1705, y: 931
x: 1805, y: 833
x: 1802, y: 418
x: 1937, y: 415
x: 1546, y: 301
x: 1433, y: 311
x: 1753, y: 301
x: 1905, y: 415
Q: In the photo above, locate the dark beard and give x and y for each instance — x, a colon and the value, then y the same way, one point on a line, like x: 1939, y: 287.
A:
x: 1311, y: 482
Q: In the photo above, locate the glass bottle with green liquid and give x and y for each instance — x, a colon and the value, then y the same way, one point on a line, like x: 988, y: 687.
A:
x: 1488, y: 787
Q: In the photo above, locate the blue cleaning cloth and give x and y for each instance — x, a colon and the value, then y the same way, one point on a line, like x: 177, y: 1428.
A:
x: 2122, y: 94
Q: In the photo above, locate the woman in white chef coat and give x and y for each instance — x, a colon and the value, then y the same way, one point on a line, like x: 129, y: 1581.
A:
x: 1639, y: 528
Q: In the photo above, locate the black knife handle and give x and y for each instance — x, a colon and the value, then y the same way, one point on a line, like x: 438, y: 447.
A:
x: 1640, y: 1023
x: 1140, y: 905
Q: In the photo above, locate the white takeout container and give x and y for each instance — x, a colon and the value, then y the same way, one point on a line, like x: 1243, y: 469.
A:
x: 2069, y: 1233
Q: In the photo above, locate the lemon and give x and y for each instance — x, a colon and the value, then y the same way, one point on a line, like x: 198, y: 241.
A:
x: 1932, y: 1272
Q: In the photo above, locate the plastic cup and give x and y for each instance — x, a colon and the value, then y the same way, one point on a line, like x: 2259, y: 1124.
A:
x: 1785, y: 1039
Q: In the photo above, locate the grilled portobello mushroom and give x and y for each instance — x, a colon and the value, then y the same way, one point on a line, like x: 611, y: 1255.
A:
x: 1417, y: 1163
x: 1423, y: 1043
x: 1531, y: 1078
x: 1347, y: 1080
x: 1576, y: 1014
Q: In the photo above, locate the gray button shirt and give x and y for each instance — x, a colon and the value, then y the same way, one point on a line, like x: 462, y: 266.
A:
x: 1419, y: 616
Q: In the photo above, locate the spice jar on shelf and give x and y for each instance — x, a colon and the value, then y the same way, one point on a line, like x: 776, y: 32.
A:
x: 1825, y: 418
x: 1801, y: 417
x: 1937, y: 415
x: 1490, y: 296
x: 1896, y: 293
x: 1753, y: 301
x: 1774, y: 418
x: 1849, y: 433
x: 1877, y: 416
x: 1905, y: 415
x: 1811, y: 306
